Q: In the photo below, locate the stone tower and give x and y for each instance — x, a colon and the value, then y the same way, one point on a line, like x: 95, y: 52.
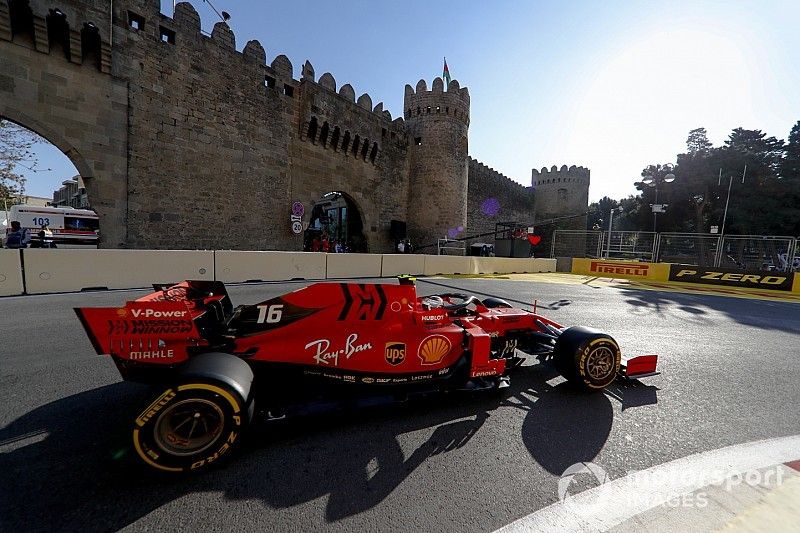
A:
x: 562, y: 193
x: 437, y: 122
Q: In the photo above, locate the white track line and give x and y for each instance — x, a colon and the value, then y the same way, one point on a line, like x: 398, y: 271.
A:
x: 607, y: 505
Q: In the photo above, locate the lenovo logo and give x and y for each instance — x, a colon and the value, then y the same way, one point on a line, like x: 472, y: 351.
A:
x: 613, y: 267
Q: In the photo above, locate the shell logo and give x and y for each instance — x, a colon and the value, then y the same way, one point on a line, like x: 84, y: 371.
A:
x: 433, y: 349
x: 122, y: 312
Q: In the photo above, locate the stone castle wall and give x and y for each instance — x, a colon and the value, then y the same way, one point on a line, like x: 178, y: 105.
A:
x: 185, y: 142
x: 494, y: 197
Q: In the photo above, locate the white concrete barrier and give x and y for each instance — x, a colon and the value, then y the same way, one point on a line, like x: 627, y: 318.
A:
x: 544, y: 264
x: 399, y: 264
x: 10, y: 273
x: 354, y: 266
x: 447, y: 264
x: 236, y: 266
x: 48, y: 270
x: 511, y: 265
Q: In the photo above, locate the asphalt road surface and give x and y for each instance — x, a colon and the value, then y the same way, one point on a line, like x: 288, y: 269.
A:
x: 475, y: 463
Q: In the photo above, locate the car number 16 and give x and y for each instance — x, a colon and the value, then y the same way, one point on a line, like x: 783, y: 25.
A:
x: 271, y: 314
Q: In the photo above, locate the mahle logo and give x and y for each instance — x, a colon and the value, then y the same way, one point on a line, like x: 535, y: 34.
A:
x: 395, y: 353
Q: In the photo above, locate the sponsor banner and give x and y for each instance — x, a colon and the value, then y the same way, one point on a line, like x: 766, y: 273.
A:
x: 796, y: 284
x: 777, y: 281
x: 606, y: 268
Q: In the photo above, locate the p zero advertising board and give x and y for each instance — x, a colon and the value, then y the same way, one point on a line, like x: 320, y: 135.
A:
x: 777, y: 281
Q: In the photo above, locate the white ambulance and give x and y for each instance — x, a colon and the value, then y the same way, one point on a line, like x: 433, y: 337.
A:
x: 72, y: 228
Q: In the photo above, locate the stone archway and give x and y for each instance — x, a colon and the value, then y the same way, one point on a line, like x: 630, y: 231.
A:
x: 75, y: 157
x: 337, y: 216
x: 76, y: 107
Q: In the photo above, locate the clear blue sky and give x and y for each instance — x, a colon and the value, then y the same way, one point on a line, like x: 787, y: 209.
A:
x: 610, y: 85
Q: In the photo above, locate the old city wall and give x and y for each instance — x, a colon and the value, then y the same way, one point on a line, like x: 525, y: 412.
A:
x: 55, y: 80
x: 185, y: 142
x: 494, y: 197
x: 208, y: 140
x: 350, y: 147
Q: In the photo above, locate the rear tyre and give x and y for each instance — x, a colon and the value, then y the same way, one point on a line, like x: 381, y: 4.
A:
x: 190, y: 427
x: 199, y: 421
x: 588, y: 358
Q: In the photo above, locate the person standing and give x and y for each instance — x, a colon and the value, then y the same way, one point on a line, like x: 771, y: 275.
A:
x: 47, y: 237
x: 16, y: 237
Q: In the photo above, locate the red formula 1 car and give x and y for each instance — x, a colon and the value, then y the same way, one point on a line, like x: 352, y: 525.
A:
x: 215, y: 364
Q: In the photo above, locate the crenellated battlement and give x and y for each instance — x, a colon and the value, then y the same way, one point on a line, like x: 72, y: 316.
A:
x: 488, y: 172
x: 421, y: 103
x: 78, y: 30
x: 328, y: 82
x: 559, y: 176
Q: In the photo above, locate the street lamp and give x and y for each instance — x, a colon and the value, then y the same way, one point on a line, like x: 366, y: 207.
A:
x: 611, y: 226
x: 654, y: 181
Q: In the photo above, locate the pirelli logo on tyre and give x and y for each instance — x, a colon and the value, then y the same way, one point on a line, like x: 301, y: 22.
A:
x: 617, y: 267
x: 729, y: 277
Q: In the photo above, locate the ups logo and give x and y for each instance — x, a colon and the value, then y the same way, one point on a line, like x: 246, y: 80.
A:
x: 395, y: 353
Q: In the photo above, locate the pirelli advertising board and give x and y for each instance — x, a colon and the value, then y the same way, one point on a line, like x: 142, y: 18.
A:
x: 777, y: 281
x: 606, y: 268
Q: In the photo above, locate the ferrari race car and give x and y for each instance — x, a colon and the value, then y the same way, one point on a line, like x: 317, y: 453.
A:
x: 215, y: 365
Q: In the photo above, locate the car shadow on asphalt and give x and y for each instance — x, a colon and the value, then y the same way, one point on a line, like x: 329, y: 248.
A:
x: 697, y: 308
x: 68, y: 465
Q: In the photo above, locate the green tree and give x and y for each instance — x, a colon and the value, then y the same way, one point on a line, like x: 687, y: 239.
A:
x: 15, y: 154
x: 698, y: 143
x: 599, y: 211
x: 790, y: 166
x: 755, y: 204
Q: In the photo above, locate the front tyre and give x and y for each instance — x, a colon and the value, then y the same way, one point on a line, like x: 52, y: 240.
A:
x: 588, y: 358
x: 189, y: 427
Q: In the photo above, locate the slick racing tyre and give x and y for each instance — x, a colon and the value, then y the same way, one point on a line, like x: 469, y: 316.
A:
x: 190, y: 426
x: 588, y: 358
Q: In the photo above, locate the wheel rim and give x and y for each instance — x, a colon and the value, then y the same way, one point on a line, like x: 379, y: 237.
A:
x: 600, y: 363
x: 189, y: 426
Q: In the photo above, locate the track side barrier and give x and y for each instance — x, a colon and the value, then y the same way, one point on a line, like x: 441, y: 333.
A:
x: 237, y: 266
x: 545, y: 264
x: 10, y: 273
x: 354, y: 266
x: 48, y: 270
x: 399, y: 264
x: 605, y: 268
x: 447, y: 264
x: 491, y: 265
x: 511, y: 265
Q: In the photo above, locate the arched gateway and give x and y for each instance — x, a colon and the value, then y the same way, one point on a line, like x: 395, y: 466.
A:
x: 45, y: 87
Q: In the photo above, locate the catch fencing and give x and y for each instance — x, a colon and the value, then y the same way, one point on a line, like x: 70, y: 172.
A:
x: 743, y: 252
